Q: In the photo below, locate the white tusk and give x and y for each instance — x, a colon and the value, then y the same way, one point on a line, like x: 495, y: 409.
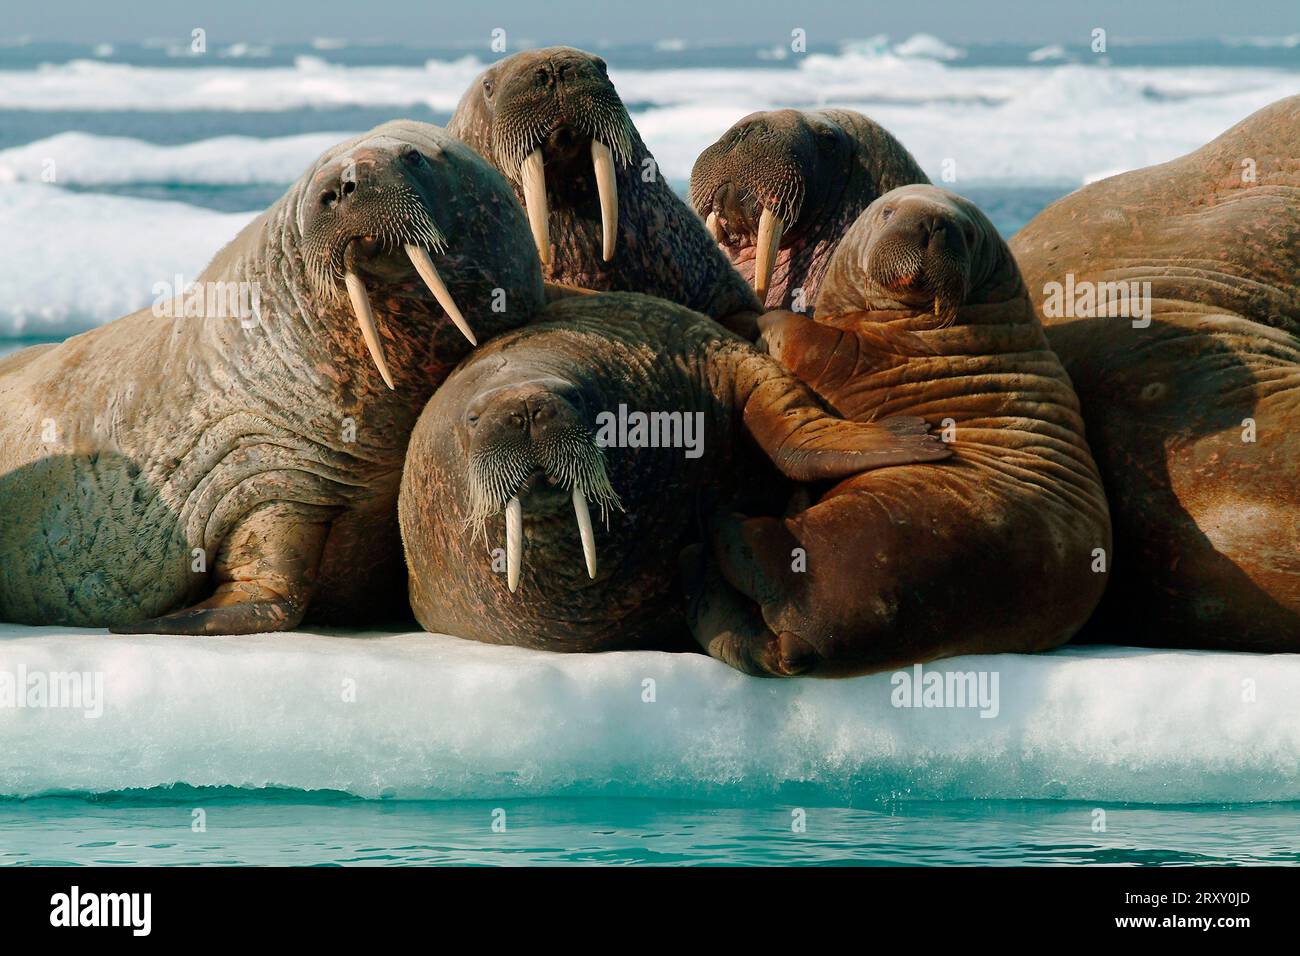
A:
x: 585, y: 530
x: 607, y: 186
x: 770, y: 228
x: 366, y: 319
x: 533, y: 173
x: 714, y: 229
x: 514, y: 542
x: 424, y: 265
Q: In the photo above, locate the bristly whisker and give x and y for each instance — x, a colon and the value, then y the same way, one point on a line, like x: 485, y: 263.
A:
x: 570, y: 460
x: 395, y: 220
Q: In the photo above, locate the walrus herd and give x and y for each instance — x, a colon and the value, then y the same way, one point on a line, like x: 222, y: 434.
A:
x: 820, y: 420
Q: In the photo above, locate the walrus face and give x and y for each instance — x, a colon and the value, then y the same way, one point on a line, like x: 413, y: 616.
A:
x: 918, y: 248
x: 367, y: 211
x: 767, y: 180
x: 530, y: 445
x: 554, y: 121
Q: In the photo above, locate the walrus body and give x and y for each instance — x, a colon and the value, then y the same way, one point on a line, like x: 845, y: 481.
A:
x: 519, y: 448
x: 245, y: 468
x: 780, y: 189
x: 603, y: 217
x: 922, y: 313
x: 1193, y: 404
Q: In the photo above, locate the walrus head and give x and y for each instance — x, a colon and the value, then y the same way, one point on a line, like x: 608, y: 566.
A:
x: 776, y: 180
x: 530, y: 444
x: 371, y: 207
x: 766, y: 179
x: 918, y: 249
x: 551, y: 119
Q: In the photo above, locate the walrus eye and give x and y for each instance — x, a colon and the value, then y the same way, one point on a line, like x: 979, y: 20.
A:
x: 471, y: 419
x: 487, y: 86
x: 886, y: 213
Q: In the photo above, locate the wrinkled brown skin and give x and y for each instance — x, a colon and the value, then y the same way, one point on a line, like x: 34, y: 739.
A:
x: 650, y: 355
x: 818, y: 169
x: 176, y: 434
x: 555, y: 97
x: 988, y: 552
x: 1207, y: 526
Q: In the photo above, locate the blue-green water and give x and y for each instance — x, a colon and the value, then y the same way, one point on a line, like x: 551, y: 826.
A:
x: 293, y: 828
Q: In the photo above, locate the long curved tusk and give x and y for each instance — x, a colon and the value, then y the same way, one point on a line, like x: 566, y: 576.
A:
x: 366, y: 319
x: 714, y: 229
x: 607, y: 187
x: 585, y: 530
x: 424, y: 265
x: 532, y: 171
x: 770, y: 228
x: 514, y: 542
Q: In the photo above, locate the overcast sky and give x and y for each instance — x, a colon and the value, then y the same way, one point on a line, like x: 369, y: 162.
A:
x: 452, y: 23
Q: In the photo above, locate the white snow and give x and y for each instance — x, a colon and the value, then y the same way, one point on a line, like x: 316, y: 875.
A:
x: 1054, y: 123
x: 418, y: 715
x: 82, y: 159
x: 76, y: 260
x: 928, y: 46
x: 310, y: 82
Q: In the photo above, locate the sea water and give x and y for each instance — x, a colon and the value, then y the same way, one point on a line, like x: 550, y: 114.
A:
x: 123, y: 166
x: 292, y: 828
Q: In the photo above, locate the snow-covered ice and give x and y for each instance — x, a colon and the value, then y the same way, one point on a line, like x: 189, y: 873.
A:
x: 77, y: 260
x: 430, y: 716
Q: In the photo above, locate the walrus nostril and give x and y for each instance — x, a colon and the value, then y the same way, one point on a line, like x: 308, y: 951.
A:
x: 329, y: 197
x: 349, y: 187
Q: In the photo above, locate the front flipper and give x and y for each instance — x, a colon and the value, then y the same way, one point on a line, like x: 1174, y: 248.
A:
x: 730, y: 627
x: 265, y: 576
x: 827, y: 357
x: 235, y: 608
x: 808, y: 444
x: 793, y: 428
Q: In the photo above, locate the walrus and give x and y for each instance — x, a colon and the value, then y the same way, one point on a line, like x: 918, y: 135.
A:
x: 537, y: 432
x: 602, y: 216
x: 922, y: 313
x: 212, y: 473
x: 1172, y: 295
x: 779, y: 190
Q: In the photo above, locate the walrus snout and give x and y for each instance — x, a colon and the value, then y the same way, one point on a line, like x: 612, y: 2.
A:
x: 769, y: 159
x: 530, y: 443
x: 549, y: 107
x: 542, y: 410
x: 919, y: 249
x: 368, y: 205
